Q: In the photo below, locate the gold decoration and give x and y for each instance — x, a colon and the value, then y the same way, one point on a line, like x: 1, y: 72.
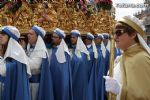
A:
x: 55, y: 13
x: 23, y: 18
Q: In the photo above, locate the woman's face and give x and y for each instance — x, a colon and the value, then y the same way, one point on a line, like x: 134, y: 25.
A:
x: 123, y: 40
x: 3, y: 38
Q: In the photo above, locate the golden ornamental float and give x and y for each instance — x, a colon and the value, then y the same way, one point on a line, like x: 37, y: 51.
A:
x: 85, y: 16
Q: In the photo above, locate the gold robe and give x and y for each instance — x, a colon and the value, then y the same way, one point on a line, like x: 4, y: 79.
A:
x: 135, y: 69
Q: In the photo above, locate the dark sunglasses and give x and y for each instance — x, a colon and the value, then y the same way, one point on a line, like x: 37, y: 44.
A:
x: 119, y: 32
x: 2, y: 33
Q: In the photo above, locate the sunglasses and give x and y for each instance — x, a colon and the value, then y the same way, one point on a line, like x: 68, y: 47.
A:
x: 2, y: 33
x: 119, y: 32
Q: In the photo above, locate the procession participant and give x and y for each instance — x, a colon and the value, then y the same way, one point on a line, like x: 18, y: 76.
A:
x: 40, y: 83
x: 15, y: 70
x: 80, y: 57
x: 131, y: 72
x: 60, y: 65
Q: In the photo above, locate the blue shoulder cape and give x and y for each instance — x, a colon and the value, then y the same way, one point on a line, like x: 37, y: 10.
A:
x: 16, y: 83
x: 79, y: 76
x: 96, y: 82
x: 45, y: 88
x: 61, y: 76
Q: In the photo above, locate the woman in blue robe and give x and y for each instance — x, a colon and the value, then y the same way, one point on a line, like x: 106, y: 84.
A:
x: 16, y: 84
x: 14, y: 70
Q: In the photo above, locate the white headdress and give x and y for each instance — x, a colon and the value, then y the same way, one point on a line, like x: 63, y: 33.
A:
x: 89, y: 35
x: 80, y: 47
x: 40, y: 45
x: 102, y: 45
x: 62, y: 48
x: 106, y: 35
x: 14, y: 49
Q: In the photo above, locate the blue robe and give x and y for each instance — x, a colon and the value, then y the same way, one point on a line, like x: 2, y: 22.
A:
x: 101, y: 73
x: 1, y: 86
x: 92, y: 76
x: 106, y: 62
x: 91, y: 62
x: 61, y: 75
x: 117, y: 52
x: 45, y: 90
x: 106, y: 69
x: 79, y: 76
x: 16, y: 82
x: 96, y: 87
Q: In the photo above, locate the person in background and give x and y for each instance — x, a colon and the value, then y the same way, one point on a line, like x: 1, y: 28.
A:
x: 79, y: 63
x: 91, y: 47
x: 23, y: 42
x: 40, y: 83
x: 60, y: 65
x: 100, y: 45
x: 106, y: 41
x: 102, y: 95
x: 14, y: 67
x: 96, y: 71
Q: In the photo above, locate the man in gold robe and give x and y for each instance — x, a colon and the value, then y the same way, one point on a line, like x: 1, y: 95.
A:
x: 131, y: 77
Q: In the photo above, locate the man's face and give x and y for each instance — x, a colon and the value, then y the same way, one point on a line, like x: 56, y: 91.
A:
x: 32, y: 37
x: 88, y: 41
x: 56, y: 39
x: 98, y: 40
x: 74, y: 40
x: 105, y: 41
x: 3, y: 38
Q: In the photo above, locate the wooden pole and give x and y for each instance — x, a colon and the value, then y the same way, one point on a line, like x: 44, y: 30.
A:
x: 111, y: 63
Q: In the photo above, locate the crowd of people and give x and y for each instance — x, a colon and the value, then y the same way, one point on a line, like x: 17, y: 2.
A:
x: 30, y: 71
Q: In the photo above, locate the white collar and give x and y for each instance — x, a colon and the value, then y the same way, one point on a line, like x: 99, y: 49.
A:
x: 60, y: 53
x: 89, y: 45
x: 40, y: 47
